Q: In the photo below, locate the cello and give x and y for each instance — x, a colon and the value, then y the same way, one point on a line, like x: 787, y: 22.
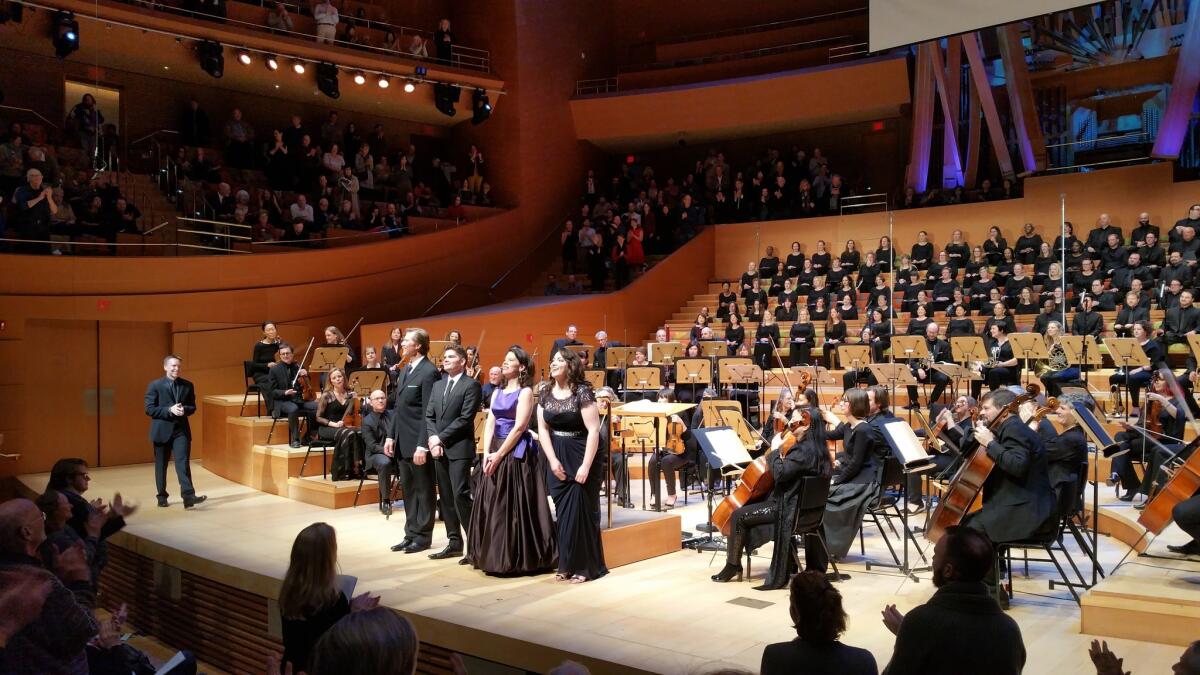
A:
x: 757, y: 481
x: 968, y: 482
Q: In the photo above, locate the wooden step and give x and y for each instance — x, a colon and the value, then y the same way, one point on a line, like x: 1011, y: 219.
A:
x: 331, y: 494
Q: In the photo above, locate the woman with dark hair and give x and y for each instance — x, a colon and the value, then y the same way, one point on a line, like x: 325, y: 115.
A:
x: 569, y: 433
x: 795, y: 261
x: 511, y: 529
x: 856, y: 472
x: 819, y: 619
x: 835, y: 335
x: 850, y: 257
x: 376, y: 641
x: 310, y: 599
x: 885, y: 256
x: 961, y: 325
x: 994, y: 245
x: 735, y: 334
x: 262, y: 360
x: 793, y: 456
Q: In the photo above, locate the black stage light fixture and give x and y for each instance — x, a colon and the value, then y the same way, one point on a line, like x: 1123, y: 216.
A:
x: 212, y: 58
x: 481, y: 107
x: 327, y: 80
x: 64, y: 33
x: 445, y: 97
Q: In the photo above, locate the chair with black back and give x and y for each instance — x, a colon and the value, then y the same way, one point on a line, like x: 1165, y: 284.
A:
x: 251, y: 387
x: 1048, y: 540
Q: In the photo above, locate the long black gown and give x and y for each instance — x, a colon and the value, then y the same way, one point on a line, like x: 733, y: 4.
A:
x: 576, y: 505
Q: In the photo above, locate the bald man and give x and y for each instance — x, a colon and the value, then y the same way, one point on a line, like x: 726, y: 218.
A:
x: 375, y: 427
x: 54, y: 641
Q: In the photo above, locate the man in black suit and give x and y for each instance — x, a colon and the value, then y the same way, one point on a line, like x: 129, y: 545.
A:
x: 939, y: 351
x: 1180, y: 321
x: 450, y: 426
x: 170, y: 400
x: 600, y: 359
x: 287, y: 399
x: 564, y: 342
x: 961, y: 629
x: 1086, y: 321
x: 408, y: 440
x: 375, y: 429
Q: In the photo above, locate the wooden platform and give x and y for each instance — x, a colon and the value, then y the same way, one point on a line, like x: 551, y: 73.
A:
x: 660, y: 615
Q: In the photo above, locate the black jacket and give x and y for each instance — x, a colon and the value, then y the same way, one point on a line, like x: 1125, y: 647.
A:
x: 1087, y: 323
x: 452, y: 418
x: 160, y: 396
x: 1178, y: 321
x: 798, y: 656
x: 1017, y: 497
x: 408, y: 415
x: 375, y: 429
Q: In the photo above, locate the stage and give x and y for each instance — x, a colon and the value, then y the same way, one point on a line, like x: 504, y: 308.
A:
x: 660, y: 615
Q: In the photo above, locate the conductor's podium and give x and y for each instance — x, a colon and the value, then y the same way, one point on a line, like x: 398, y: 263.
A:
x: 235, y: 447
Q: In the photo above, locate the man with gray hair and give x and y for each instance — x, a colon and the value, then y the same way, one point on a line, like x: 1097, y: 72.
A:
x: 54, y: 641
x: 35, y: 206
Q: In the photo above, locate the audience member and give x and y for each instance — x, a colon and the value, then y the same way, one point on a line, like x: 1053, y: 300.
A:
x: 377, y: 641
x: 326, y: 17
x: 819, y: 620
x: 443, y: 41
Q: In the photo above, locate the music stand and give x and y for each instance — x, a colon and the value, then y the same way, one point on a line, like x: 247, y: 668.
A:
x: 1029, y: 346
x: 746, y: 374
x: 643, y: 378
x: 617, y: 358
x: 363, y: 382
x: 596, y: 377
x: 1102, y: 443
x: 712, y: 348
x: 724, y: 453
x: 957, y: 374
x: 967, y: 349
x: 857, y: 356
x: 910, y: 348
x: 325, y: 359
x: 693, y: 373
x: 1082, y: 351
x: 656, y: 412
x: 438, y: 347
x: 909, y: 452
x: 1126, y: 353
x: 584, y: 351
x: 895, y: 374
x: 657, y: 351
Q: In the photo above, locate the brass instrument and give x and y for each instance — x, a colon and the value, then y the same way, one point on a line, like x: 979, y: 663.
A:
x: 1115, y: 404
x: 1056, y: 362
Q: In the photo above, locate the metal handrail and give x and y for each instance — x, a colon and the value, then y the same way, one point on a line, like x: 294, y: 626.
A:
x: 33, y: 112
x: 601, y: 85
x: 760, y: 27
x: 1099, y: 140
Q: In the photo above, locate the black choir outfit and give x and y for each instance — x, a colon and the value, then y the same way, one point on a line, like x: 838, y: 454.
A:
x: 835, y: 335
x: 766, y: 340
x: 577, y: 505
x: 801, y: 337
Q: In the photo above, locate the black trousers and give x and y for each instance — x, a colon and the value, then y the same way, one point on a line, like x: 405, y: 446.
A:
x: 293, y: 410
x: 853, y: 376
x: 1187, y: 516
x: 417, y: 483
x: 179, y: 447
x: 384, y: 468
x: 762, y: 513
x: 995, y: 378
x: 454, y: 495
x: 939, y: 381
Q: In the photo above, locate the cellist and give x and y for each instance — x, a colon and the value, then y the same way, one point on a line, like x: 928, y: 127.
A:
x: 798, y: 452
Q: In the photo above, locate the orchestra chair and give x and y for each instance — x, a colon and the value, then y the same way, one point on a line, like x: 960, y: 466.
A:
x: 810, y: 516
x: 322, y: 445
x: 1047, y: 541
x: 251, y: 388
x: 884, y: 508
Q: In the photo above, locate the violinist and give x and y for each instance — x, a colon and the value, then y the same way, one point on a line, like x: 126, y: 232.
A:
x: 796, y: 453
x: 391, y: 354
x: 605, y: 398
x: 1018, y: 501
x: 1165, y: 423
x: 1066, y: 451
x: 454, y: 337
x: 857, y: 470
x: 375, y: 427
x: 286, y: 395
x: 472, y: 368
x: 332, y: 405
x: 335, y: 338
x: 781, y: 412
x: 670, y: 460
x: 263, y: 359
x: 1134, y: 379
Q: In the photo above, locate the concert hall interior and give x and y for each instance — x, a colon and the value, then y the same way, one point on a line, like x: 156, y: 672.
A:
x: 514, y: 336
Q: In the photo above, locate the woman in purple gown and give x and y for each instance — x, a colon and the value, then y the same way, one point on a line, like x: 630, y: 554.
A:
x: 512, y: 531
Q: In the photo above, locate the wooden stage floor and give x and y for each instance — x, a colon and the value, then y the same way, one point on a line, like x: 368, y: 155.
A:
x: 661, y: 615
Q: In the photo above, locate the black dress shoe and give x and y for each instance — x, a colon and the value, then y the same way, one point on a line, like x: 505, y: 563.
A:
x: 162, y: 501
x: 1127, y: 497
x: 198, y: 499
x: 386, y: 507
x: 448, y: 552
x: 464, y: 561
x: 1190, y: 548
x: 294, y: 444
x: 765, y: 587
x: 728, y: 572
x: 417, y: 548
x: 706, y: 527
x: 405, y: 543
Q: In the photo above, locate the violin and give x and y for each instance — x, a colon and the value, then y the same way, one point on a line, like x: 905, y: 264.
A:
x: 1152, y: 414
x: 675, y: 444
x: 304, y: 383
x: 353, y: 417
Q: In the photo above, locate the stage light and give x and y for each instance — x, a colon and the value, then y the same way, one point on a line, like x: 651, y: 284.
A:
x: 298, y: 67
x: 383, y: 82
x: 64, y: 33
x: 445, y: 96
x: 212, y: 58
x: 272, y: 62
x: 244, y: 57
x: 409, y: 87
x: 327, y: 80
x: 359, y: 78
x: 481, y: 107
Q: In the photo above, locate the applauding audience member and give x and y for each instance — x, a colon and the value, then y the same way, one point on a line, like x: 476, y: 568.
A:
x: 819, y: 621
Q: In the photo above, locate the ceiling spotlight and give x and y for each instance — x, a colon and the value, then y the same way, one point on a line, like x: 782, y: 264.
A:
x: 409, y: 87
x: 272, y: 62
x: 445, y: 96
x: 383, y: 82
x: 244, y: 57
x: 298, y: 67
x: 212, y: 58
x: 359, y: 78
x: 481, y: 107
x: 327, y: 80
x: 64, y: 33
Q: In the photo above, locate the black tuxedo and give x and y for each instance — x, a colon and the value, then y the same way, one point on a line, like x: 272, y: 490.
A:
x: 1017, y: 498
x: 450, y: 416
x: 375, y: 429
x: 415, y: 388
x: 171, y: 434
x: 1087, y: 323
x: 1178, y: 321
x: 281, y: 378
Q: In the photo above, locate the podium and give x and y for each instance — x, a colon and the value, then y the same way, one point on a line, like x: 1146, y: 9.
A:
x: 656, y: 412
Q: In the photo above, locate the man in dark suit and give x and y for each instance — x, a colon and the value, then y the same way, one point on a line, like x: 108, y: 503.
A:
x: 961, y: 629
x: 450, y: 426
x: 286, y: 398
x: 170, y: 400
x: 375, y: 429
x: 1180, y: 321
x: 600, y: 359
x: 1086, y: 321
x: 407, y: 439
x: 564, y: 342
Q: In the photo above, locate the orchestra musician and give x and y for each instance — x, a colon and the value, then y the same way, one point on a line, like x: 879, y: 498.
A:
x: 600, y: 359
x: 454, y: 337
x: 495, y: 380
x: 956, y: 424
x: 375, y: 428
x: 1162, y: 416
x: 567, y: 341
x: 263, y: 359
x: 407, y: 439
x: 286, y: 397
x: 332, y: 405
x: 605, y: 399
x: 793, y: 455
x: 1056, y: 370
x: 450, y: 426
x: 664, y: 461
x: 1003, y: 367
x: 857, y: 470
x: 939, y: 352
x: 371, y: 359
x: 391, y: 356
x: 334, y: 338
x: 1066, y: 451
x: 1018, y: 502
x: 1135, y: 379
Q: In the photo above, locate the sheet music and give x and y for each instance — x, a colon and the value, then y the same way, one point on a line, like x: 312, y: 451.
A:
x: 727, y: 446
x: 904, y: 442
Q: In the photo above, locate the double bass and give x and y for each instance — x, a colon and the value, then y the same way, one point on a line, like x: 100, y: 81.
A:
x: 968, y: 482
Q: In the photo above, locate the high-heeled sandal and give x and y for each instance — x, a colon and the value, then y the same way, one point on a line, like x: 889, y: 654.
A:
x: 577, y: 579
x: 559, y: 576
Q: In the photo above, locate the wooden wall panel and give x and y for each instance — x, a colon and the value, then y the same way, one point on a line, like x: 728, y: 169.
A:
x: 56, y: 406
x: 130, y: 356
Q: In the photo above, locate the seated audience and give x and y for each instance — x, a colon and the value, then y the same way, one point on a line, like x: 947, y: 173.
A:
x: 819, y: 620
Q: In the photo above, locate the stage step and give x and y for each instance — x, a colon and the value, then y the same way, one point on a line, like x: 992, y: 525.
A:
x: 330, y: 494
x: 1158, y: 601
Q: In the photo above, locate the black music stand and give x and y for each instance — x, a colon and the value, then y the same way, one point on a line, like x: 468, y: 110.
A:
x: 724, y: 452
x: 907, y: 450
